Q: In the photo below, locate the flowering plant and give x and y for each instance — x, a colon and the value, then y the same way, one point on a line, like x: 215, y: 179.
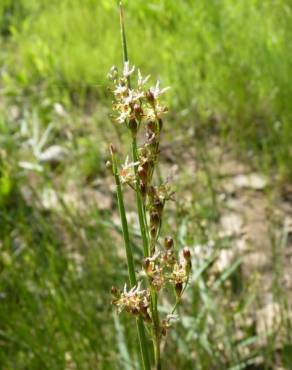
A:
x: 140, y: 109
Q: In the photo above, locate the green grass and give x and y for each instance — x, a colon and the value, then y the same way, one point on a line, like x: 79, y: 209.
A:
x: 228, y: 62
x: 229, y: 65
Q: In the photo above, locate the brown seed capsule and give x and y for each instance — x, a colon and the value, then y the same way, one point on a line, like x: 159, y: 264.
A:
x: 168, y: 242
x: 150, y: 97
x: 147, y: 266
x: 187, y: 253
x: 135, y: 311
x: 178, y: 288
x: 154, y: 218
x: 153, y: 231
x: 145, y: 165
x: 160, y: 123
x: 158, y: 205
x: 143, y: 189
x: 133, y: 126
x: 151, y: 126
x: 138, y: 111
x: 142, y: 173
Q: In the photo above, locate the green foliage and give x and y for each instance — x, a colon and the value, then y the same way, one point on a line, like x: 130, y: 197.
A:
x: 52, y: 295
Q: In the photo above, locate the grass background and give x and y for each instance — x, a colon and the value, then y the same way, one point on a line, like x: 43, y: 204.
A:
x: 229, y: 65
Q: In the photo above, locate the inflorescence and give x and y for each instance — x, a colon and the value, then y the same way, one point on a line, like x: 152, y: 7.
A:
x: 141, y: 111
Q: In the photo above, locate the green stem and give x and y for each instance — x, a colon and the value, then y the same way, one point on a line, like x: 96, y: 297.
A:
x: 143, y: 228
x: 140, y: 205
x: 130, y: 259
x: 157, y: 355
x: 143, y: 343
x: 156, y: 334
x: 130, y: 262
x: 124, y: 40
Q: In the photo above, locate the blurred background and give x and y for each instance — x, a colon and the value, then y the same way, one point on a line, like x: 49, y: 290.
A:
x: 226, y: 147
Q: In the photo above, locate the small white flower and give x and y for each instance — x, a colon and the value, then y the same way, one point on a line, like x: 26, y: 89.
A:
x: 133, y: 97
x: 156, y: 91
x: 142, y: 81
x: 127, y: 175
x: 123, y: 117
x: 172, y: 317
x: 120, y: 90
x: 127, y: 71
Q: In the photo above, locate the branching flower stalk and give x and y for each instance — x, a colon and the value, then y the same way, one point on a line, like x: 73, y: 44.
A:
x: 140, y: 110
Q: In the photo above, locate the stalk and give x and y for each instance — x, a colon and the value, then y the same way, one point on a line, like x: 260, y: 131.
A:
x: 140, y: 205
x: 130, y: 261
x: 144, y: 233
x: 147, y: 252
x: 142, y: 213
x: 124, y: 40
x: 156, y: 338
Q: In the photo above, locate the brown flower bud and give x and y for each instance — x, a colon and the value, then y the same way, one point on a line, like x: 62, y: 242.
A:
x: 112, y: 149
x: 168, y: 242
x: 187, y: 253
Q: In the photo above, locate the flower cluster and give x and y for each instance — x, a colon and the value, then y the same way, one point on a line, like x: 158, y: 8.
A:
x: 127, y: 174
x: 164, y: 267
x: 139, y: 108
x: 135, y: 301
x: 135, y: 105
